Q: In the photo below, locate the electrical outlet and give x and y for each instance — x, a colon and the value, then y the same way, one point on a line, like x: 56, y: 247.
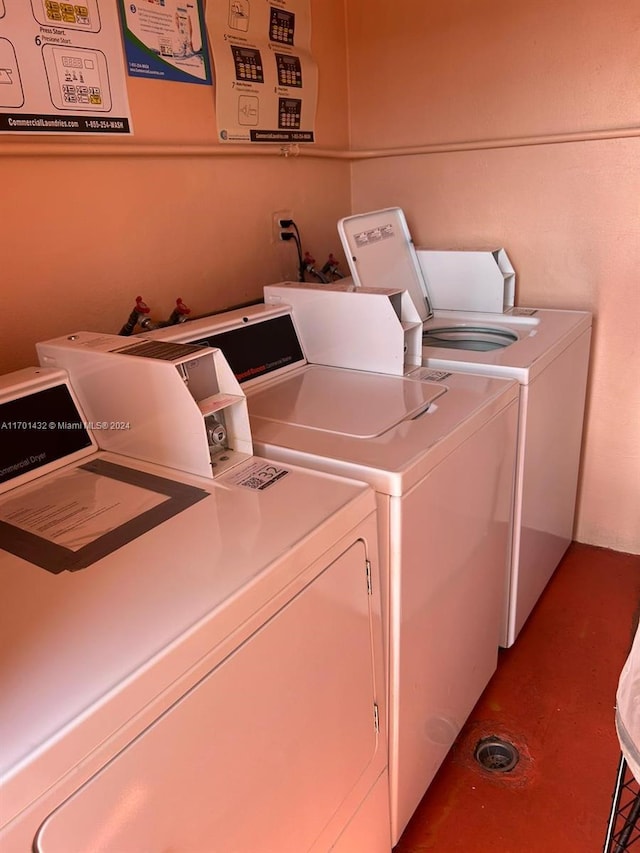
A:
x: 276, y: 228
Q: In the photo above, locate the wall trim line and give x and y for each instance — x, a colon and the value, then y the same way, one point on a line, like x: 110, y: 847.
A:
x: 38, y: 148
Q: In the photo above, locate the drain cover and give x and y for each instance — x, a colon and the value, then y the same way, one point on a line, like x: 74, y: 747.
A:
x: 496, y: 754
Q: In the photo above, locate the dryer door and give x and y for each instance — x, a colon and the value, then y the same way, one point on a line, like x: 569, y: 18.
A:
x: 261, y: 753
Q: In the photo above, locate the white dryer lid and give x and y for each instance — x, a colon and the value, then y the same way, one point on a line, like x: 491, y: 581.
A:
x: 381, y: 254
x: 343, y: 402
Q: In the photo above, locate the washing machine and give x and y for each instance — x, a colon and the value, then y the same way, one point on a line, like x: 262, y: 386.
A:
x: 188, y: 662
x: 545, y: 350
x: 440, y: 455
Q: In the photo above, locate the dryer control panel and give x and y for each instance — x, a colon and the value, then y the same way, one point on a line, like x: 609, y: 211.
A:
x: 42, y: 426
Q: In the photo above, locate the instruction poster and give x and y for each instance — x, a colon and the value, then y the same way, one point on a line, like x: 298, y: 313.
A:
x: 266, y: 77
x: 166, y: 39
x: 62, y: 68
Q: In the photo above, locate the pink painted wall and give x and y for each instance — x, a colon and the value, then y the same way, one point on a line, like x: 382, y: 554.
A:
x: 568, y: 213
x: 81, y: 238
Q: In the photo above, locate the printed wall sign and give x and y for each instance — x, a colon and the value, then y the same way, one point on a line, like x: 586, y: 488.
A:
x: 166, y: 39
x: 62, y: 68
x: 266, y: 77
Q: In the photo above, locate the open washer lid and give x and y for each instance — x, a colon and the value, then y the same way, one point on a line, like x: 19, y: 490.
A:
x: 381, y: 254
x: 343, y: 402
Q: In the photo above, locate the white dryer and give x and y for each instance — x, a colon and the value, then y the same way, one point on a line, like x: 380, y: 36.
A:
x: 173, y: 671
x: 440, y: 456
x: 546, y: 351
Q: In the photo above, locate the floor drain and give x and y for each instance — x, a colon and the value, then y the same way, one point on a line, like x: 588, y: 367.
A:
x: 496, y: 755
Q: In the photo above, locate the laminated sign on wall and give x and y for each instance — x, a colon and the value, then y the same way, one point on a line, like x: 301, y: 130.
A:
x: 61, y: 68
x: 165, y: 39
x: 266, y: 78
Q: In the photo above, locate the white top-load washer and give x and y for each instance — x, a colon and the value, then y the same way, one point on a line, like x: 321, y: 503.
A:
x: 173, y: 671
x: 545, y: 350
x: 440, y: 456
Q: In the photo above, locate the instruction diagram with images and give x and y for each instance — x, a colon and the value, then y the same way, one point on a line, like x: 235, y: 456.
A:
x: 62, y: 68
x: 266, y: 76
x: 166, y: 39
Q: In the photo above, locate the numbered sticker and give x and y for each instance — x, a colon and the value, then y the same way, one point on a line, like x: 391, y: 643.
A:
x: 433, y: 375
x: 257, y: 475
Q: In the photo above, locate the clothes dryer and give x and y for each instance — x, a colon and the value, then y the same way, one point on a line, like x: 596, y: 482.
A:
x: 440, y: 456
x: 546, y: 351
x: 173, y: 671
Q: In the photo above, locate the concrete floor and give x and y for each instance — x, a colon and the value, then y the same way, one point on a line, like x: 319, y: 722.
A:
x: 553, y: 696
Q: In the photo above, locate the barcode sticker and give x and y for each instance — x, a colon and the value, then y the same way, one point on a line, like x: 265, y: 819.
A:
x: 431, y: 375
x: 257, y: 474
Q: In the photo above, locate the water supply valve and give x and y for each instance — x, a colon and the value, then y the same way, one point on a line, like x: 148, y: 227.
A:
x: 137, y: 317
x: 179, y: 314
x: 331, y: 267
x: 309, y: 266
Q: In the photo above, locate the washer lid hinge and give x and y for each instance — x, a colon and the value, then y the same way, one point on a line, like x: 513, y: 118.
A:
x: 367, y: 564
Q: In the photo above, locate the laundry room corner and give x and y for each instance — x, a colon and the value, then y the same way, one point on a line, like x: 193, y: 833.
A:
x: 517, y: 126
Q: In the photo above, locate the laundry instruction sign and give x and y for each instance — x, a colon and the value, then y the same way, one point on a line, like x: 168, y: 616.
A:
x: 61, y: 68
x: 266, y: 77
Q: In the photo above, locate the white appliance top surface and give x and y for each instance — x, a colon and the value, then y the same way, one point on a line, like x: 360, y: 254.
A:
x: 74, y: 640
x: 292, y: 418
x: 345, y: 402
x: 542, y: 334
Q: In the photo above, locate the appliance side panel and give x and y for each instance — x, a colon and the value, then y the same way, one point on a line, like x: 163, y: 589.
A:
x: 447, y: 607
x: 553, y: 436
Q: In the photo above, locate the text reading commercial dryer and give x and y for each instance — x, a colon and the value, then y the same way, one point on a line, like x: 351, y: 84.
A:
x: 173, y: 671
x: 546, y: 351
x: 440, y: 456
